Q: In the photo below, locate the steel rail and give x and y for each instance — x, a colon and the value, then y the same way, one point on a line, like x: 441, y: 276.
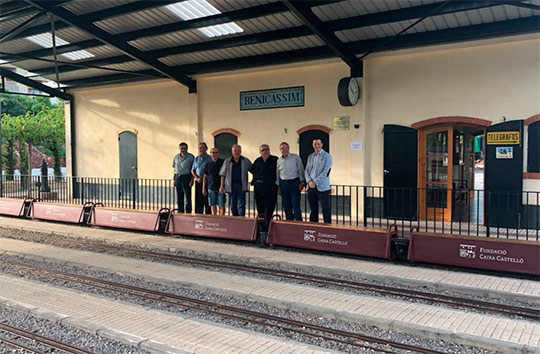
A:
x: 16, y: 345
x: 53, y: 343
x: 450, y: 300
x: 231, y: 312
x: 349, y: 284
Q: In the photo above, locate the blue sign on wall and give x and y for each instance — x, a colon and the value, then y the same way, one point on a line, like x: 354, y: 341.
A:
x: 276, y: 98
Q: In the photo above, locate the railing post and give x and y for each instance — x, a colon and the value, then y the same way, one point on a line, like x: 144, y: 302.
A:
x: 133, y: 189
x: 82, y: 190
x: 364, y: 207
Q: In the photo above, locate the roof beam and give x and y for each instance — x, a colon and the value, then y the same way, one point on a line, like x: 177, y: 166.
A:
x: 291, y: 32
x: 525, y: 5
x: 309, y: 19
x: 45, y: 52
x: 109, y: 39
x: 189, y: 48
x: 14, y: 14
x: 96, y: 15
x: 34, y: 84
x: 10, y: 6
x: 14, y: 31
x: 236, y: 15
x: 467, y: 33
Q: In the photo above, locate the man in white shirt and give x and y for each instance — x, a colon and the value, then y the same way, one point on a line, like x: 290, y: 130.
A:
x: 290, y: 180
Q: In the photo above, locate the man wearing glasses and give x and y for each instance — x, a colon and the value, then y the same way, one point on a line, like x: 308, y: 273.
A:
x: 264, y: 180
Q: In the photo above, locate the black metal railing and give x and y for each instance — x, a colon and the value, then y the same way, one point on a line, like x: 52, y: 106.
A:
x: 501, y: 214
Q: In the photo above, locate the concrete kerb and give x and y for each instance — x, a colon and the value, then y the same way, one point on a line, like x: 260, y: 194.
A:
x: 496, y: 294
x: 390, y: 325
x: 89, y: 327
x: 158, y: 347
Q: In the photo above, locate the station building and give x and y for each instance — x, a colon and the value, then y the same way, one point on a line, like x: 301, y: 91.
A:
x: 450, y: 93
x: 427, y: 90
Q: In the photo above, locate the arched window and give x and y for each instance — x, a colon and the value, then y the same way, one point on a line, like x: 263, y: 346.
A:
x: 224, y: 139
x: 307, y: 135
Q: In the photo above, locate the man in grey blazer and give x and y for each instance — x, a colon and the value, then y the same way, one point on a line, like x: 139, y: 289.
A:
x: 317, y: 171
x: 234, y: 180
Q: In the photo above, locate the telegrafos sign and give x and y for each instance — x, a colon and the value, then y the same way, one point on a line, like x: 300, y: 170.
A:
x: 503, y: 138
x: 275, y: 98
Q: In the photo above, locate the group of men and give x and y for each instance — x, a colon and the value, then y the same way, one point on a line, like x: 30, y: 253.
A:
x: 214, y: 177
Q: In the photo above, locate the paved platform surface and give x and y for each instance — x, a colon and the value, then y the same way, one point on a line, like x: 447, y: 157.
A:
x: 152, y: 330
x: 495, y: 286
x: 489, y: 331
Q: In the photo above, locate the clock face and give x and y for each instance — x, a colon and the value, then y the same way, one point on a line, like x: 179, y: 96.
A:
x: 353, y: 91
x: 348, y: 91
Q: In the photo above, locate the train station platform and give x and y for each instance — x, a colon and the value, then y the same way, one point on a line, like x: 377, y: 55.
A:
x: 469, y: 328
x: 152, y: 330
x: 405, y: 274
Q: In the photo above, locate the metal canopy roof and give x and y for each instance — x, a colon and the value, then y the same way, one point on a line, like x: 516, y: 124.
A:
x: 138, y: 40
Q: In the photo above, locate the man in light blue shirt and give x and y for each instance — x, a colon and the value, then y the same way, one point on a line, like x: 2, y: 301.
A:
x: 317, y: 171
x: 197, y: 170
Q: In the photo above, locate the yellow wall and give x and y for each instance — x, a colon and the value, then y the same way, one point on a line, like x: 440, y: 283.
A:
x: 219, y: 108
x: 483, y: 80
x: 159, y: 112
x: 486, y: 82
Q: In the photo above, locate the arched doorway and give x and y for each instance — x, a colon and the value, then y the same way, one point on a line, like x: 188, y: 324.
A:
x: 307, y: 135
x: 446, y: 169
x: 224, y: 139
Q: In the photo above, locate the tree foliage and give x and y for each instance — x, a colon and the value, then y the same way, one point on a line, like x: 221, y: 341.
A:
x: 41, y: 124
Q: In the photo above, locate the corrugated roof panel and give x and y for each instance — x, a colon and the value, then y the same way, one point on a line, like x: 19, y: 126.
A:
x: 138, y: 20
x: 170, y: 40
x: 129, y: 66
x: 256, y: 25
x: 228, y: 5
x: 79, y: 74
x: 7, y: 26
x: 227, y: 53
x: 72, y: 34
x: 271, y: 22
x: 350, y: 8
x: 82, y: 7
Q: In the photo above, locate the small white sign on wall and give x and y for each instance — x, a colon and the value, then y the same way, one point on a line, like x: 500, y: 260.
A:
x: 357, y: 145
x: 504, y: 152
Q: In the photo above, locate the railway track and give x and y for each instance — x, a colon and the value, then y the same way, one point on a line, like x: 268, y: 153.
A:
x: 432, y: 298
x: 352, y: 339
x: 13, y: 336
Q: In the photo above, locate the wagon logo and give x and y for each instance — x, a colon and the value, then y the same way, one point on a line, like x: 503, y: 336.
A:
x: 467, y: 251
x: 309, y: 235
x: 199, y: 224
x: 115, y: 218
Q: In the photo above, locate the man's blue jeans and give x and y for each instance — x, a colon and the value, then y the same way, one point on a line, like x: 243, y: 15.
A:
x: 290, y: 197
x: 237, y: 200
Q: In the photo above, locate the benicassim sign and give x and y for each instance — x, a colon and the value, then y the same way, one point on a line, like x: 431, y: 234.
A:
x: 503, y: 138
x: 276, y: 98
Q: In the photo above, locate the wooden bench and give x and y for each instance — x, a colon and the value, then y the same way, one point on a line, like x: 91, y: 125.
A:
x: 60, y: 212
x: 227, y: 227
x: 476, y: 252
x: 142, y: 220
x: 358, y: 241
x: 14, y: 207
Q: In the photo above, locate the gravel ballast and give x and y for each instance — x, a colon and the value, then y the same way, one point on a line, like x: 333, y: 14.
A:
x: 86, y: 245
x: 230, y: 301
x: 61, y: 332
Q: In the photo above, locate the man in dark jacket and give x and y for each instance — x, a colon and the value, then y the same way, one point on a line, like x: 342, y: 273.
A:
x: 264, y: 180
